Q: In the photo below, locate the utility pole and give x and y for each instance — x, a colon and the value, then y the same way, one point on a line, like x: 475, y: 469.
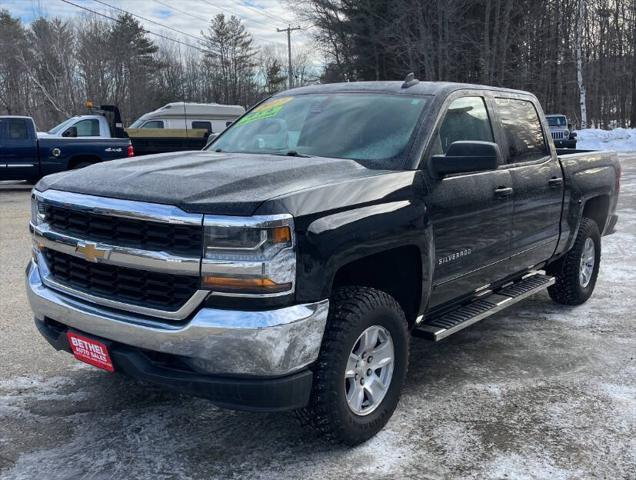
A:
x: 290, y: 75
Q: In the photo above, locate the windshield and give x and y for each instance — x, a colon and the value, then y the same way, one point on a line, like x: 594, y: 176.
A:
x: 556, y: 121
x: 62, y: 126
x: 366, y: 127
x: 136, y: 123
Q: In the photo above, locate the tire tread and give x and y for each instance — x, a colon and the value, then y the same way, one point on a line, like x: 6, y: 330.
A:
x: 347, y: 303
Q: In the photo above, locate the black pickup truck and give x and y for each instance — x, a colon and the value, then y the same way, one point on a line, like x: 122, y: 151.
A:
x: 286, y: 267
x: 24, y: 156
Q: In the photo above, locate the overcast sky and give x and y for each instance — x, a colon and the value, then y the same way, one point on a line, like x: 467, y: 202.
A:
x: 261, y: 17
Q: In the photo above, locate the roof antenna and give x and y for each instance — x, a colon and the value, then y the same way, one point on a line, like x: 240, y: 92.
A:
x: 410, y: 80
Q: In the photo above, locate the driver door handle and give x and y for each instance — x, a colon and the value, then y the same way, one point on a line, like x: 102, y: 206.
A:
x: 555, y: 181
x: 503, y: 192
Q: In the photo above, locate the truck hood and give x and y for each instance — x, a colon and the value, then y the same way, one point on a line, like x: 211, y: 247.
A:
x: 206, y: 182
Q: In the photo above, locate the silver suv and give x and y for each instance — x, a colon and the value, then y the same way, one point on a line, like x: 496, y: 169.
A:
x: 562, y: 131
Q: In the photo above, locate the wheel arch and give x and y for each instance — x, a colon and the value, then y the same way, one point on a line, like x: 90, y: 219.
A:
x: 396, y: 271
x: 597, y: 209
x: 76, y: 160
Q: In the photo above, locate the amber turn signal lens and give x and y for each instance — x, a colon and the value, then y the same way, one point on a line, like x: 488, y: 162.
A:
x: 247, y: 285
x: 281, y: 235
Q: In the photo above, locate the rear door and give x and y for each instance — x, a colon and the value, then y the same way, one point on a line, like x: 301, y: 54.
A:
x: 472, y: 212
x: 18, y: 150
x: 537, y: 182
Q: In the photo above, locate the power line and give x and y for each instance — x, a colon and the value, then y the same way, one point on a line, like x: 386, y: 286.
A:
x: 263, y: 12
x: 181, y: 11
x: 149, y: 20
x: 219, y: 8
x: 95, y: 12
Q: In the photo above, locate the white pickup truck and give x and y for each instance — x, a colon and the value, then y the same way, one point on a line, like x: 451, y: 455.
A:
x: 80, y: 126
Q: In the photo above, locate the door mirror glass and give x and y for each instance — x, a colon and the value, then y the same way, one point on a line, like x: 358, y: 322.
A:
x: 465, y: 157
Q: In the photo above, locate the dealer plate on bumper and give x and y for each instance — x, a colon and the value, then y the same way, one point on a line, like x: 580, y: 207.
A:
x: 90, y: 351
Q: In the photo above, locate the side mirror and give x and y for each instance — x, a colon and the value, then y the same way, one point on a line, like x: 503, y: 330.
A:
x: 467, y: 156
x: 569, y: 126
x: 70, y: 132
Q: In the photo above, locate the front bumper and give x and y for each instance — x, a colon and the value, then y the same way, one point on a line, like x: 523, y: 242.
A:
x: 257, y: 394
x: 565, y: 143
x: 269, y: 343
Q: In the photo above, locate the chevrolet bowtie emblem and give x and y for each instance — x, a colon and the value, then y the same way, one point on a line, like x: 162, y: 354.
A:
x: 91, y: 252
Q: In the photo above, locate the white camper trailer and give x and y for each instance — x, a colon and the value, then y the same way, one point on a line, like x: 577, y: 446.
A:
x: 212, y: 117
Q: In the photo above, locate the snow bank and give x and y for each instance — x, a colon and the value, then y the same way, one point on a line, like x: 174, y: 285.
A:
x: 619, y: 139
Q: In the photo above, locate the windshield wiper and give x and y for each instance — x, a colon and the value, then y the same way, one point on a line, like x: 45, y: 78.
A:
x: 294, y: 153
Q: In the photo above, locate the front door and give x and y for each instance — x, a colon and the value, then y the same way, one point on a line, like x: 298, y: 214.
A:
x: 471, y: 213
x: 537, y: 182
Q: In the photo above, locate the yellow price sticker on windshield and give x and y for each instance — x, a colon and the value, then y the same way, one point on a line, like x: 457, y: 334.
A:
x: 269, y: 109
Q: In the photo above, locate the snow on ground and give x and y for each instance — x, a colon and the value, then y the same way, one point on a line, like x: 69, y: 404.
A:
x: 619, y: 139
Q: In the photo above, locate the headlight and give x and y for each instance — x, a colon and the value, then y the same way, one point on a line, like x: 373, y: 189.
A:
x: 37, y: 210
x: 251, y: 256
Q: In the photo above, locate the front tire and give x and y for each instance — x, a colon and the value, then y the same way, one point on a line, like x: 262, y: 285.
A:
x: 577, y: 271
x: 361, y: 368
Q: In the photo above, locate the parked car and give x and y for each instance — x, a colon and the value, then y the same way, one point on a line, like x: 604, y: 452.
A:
x: 562, y: 131
x: 285, y: 267
x: 24, y: 156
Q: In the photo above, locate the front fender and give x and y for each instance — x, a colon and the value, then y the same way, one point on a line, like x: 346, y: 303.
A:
x: 337, y: 239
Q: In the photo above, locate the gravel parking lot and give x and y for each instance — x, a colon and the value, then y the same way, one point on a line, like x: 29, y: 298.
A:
x: 538, y: 391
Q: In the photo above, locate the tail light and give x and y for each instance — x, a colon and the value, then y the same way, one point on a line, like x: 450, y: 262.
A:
x: 131, y: 150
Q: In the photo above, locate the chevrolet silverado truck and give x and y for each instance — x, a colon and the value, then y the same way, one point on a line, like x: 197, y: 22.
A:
x: 24, y: 156
x: 562, y: 131
x: 286, y: 266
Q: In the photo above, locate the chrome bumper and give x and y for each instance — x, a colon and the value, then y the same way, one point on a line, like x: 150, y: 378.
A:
x: 262, y: 343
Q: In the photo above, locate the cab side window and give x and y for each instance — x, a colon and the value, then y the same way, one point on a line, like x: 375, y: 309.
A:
x: 522, y: 129
x: 87, y: 128
x: 17, y: 129
x: 466, y: 119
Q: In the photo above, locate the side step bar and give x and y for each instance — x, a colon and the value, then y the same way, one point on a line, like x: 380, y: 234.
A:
x: 437, y: 328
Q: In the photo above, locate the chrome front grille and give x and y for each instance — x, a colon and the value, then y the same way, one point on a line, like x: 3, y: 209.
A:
x: 126, y: 232
x: 126, y: 285
x: 558, y: 135
x: 132, y: 256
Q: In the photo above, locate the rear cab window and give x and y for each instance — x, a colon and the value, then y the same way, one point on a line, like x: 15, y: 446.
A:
x: 522, y: 130
x: 14, y: 129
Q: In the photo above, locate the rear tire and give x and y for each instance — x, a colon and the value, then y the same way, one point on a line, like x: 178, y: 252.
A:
x: 362, y: 322
x: 577, y: 271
